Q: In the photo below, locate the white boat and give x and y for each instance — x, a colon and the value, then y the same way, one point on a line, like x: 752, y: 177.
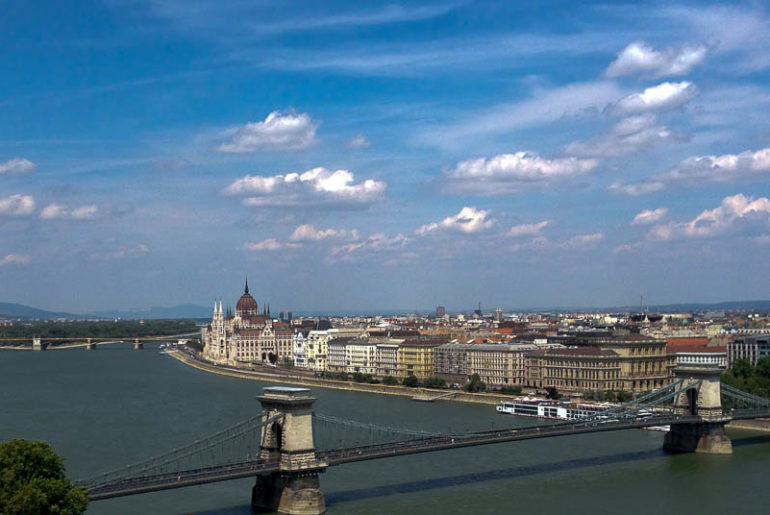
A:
x: 552, y: 410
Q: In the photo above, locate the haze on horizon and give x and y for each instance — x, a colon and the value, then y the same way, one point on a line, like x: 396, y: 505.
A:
x: 362, y: 155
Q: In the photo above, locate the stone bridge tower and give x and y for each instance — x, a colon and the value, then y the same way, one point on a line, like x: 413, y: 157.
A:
x: 704, y: 401
x: 288, y: 440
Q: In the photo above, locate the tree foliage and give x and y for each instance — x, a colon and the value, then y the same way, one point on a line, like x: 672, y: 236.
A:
x: 389, y: 380
x: 101, y: 329
x: 411, y: 381
x: 32, y: 481
x: 475, y: 384
x: 751, y: 379
x: 434, y: 382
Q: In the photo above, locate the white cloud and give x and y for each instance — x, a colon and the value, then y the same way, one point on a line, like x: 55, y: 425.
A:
x: 725, y: 168
x: 279, y: 131
x: 135, y: 251
x: 626, y: 137
x: 734, y: 214
x: 508, y: 173
x: 269, y: 244
x: 17, y: 205
x: 546, y: 106
x: 641, y: 58
x: 15, y: 259
x: 310, y: 233
x: 634, y: 190
x: 55, y: 211
x: 17, y: 165
x: 582, y: 241
x: 663, y: 97
x: 374, y: 243
x: 647, y: 216
x: 313, y: 187
x: 527, y: 229
x: 358, y: 141
x: 468, y: 220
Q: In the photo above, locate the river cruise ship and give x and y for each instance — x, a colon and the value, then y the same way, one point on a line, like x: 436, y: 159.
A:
x: 548, y: 409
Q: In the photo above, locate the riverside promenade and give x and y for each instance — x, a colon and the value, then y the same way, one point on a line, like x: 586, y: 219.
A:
x: 286, y: 377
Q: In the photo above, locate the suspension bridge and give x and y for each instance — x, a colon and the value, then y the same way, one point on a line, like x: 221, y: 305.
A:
x: 288, y: 444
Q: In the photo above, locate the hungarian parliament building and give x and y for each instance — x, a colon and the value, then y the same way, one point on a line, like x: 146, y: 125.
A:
x: 246, y: 335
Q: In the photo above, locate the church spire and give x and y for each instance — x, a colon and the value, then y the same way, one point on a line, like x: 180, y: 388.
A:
x: 246, y: 289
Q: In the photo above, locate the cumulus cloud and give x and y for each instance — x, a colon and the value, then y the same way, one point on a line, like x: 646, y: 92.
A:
x: 508, y: 173
x: 269, y: 244
x: 582, y: 241
x: 313, y: 187
x: 648, y: 216
x: 358, y: 141
x: 639, y: 58
x: 527, y: 229
x: 17, y: 165
x: 17, y: 205
x: 626, y: 137
x: 725, y: 168
x: 733, y: 215
x: 634, y: 190
x: 55, y: 211
x: 310, y: 233
x: 279, y: 131
x: 663, y: 97
x: 15, y: 259
x: 468, y: 220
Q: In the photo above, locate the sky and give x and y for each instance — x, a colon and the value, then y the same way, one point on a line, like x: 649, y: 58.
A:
x: 365, y: 155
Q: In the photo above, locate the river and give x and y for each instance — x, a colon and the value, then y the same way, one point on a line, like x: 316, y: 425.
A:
x: 113, y: 406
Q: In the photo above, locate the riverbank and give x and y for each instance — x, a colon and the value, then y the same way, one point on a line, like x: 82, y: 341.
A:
x: 317, y: 382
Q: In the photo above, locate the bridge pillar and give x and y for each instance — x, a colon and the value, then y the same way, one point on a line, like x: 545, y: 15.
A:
x: 138, y: 345
x: 707, y: 433
x: 37, y: 345
x: 288, y: 440
x: 90, y: 345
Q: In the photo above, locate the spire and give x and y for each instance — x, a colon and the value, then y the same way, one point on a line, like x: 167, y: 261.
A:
x: 246, y: 289
x: 268, y: 310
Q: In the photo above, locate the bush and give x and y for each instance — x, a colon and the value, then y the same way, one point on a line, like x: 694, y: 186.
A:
x: 33, y: 481
x: 510, y: 390
x: 552, y: 393
x: 475, y: 384
x: 389, y: 380
x: 411, y: 381
x: 434, y: 382
x: 358, y: 377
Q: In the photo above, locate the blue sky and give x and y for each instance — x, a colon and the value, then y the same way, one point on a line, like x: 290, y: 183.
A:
x: 364, y: 155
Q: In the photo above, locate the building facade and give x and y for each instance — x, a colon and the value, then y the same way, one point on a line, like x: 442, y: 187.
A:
x: 752, y: 348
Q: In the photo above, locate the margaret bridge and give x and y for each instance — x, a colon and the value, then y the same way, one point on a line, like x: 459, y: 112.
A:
x: 288, y: 445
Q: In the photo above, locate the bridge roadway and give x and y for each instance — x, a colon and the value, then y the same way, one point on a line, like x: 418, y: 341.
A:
x: 132, y: 486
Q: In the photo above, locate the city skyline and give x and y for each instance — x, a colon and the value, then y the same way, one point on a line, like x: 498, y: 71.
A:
x: 368, y: 156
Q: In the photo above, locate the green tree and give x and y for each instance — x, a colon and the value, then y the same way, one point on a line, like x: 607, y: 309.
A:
x: 475, y: 384
x: 389, y: 380
x: 434, y: 382
x: 411, y: 381
x: 32, y: 481
x: 552, y: 393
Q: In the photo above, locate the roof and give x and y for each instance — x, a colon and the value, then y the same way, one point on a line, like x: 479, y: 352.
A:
x: 594, y: 352
x: 687, y: 341
x: 699, y: 349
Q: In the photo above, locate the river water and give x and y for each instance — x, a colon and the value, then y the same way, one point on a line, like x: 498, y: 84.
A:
x: 114, y: 406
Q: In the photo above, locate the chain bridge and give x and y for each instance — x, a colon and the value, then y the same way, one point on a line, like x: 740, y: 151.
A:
x: 288, y: 445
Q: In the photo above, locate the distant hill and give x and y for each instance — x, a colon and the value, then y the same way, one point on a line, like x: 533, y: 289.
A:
x: 12, y: 310
x: 155, y: 312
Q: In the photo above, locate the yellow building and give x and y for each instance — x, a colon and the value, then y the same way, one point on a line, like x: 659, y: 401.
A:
x: 415, y: 357
x: 574, y: 370
x: 644, y: 363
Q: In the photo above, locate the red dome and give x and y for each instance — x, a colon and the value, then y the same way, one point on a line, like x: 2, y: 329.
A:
x: 246, y: 305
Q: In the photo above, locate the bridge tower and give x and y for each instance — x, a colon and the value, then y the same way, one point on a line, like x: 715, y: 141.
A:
x: 37, y: 344
x: 90, y: 345
x: 138, y: 345
x: 288, y: 440
x: 703, y: 400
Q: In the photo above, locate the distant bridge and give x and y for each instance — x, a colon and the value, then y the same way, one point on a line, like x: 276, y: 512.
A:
x: 288, y: 445
x: 43, y: 343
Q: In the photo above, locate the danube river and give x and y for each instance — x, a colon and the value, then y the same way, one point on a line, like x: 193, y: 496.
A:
x: 110, y: 407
